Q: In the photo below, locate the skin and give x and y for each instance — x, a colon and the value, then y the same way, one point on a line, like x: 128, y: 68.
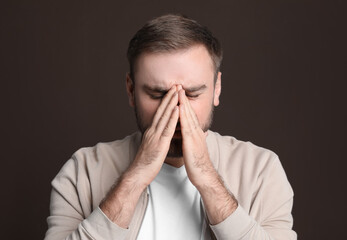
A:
x: 170, y: 88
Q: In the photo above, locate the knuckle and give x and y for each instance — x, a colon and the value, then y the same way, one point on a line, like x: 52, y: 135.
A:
x: 149, y: 132
x: 163, y: 116
x: 166, y: 131
x: 149, y: 136
x: 187, y: 132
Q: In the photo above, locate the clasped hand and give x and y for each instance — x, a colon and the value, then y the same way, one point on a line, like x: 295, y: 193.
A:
x: 152, y: 153
x: 119, y: 205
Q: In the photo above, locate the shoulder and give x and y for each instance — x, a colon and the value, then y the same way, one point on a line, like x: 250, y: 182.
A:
x: 108, y: 152
x: 244, y: 159
x: 102, y: 158
x: 244, y: 151
x: 247, y: 168
x: 91, y: 171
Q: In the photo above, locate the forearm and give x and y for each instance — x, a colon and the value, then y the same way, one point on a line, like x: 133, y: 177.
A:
x: 276, y: 221
x: 120, y: 203
x: 219, y: 203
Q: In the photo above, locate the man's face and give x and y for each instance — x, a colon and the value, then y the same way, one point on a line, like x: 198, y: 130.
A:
x: 156, y: 73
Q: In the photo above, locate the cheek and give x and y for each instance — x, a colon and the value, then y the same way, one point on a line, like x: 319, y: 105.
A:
x: 201, y: 109
x: 147, y: 108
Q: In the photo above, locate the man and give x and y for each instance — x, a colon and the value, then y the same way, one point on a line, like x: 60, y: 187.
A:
x: 174, y: 179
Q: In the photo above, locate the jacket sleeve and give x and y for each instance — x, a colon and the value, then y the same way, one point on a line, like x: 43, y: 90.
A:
x: 275, y: 201
x: 70, y: 217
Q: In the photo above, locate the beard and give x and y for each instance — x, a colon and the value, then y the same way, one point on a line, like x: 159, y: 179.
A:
x: 175, y: 149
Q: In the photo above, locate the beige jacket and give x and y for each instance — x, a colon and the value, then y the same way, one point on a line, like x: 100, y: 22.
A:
x: 253, y: 174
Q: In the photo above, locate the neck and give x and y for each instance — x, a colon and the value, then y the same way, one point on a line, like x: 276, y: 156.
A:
x: 175, y: 162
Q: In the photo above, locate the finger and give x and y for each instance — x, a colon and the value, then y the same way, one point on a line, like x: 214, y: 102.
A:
x: 190, y: 115
x: 191, y: 112
x: 169, y: 130
x: 163, y: 105
x: 185, y: 126
x: 164, y: 119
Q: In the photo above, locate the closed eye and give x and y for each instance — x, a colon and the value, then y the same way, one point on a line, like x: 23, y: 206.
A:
x: 193, y: 96
x: 157, y: 96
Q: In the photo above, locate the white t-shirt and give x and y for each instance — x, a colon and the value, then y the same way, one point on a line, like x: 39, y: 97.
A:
x: 174, y: 208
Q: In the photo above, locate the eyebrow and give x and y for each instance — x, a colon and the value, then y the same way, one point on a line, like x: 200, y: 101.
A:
x: 155, y: 89
x: 158, y: 89
x: 196, y: 88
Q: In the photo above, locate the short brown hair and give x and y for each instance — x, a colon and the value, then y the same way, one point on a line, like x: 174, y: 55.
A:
x: 169, y: 33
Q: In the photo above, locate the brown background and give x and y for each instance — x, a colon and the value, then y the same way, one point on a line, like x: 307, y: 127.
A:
x: 62, y: 77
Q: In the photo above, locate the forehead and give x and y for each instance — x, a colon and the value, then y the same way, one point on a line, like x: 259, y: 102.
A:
x: 189, y: 67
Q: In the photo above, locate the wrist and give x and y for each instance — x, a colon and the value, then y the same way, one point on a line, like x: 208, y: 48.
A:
x: 208, y: 182
x: 134, y: 179
x: 143, y: 170
x: 219, y: 202
x: 121, y: 201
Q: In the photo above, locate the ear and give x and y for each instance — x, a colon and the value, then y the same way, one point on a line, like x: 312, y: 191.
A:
x: 217, y: 89
x: 130, y: 86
